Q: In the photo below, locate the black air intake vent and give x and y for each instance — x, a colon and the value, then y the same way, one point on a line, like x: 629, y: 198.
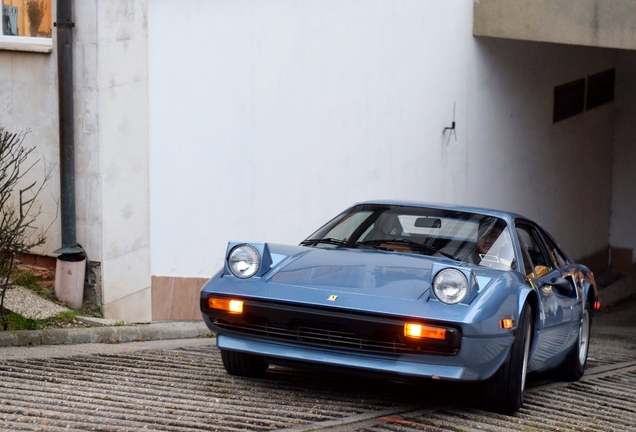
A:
x: 569, y: 100
x: 600, y: 89
x: 584, y: 94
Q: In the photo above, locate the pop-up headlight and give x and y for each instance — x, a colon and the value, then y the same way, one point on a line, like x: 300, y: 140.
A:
x: 243, y: 261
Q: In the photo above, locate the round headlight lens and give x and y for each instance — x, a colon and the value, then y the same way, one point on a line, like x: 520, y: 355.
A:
x: 244, y: 261
x: 450, y: 286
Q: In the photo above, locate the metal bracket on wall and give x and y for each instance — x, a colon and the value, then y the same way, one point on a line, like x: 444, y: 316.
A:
x: 63, y: 24
x: 451, y: 127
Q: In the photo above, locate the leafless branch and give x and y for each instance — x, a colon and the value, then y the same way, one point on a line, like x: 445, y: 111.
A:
x: 19, y: 232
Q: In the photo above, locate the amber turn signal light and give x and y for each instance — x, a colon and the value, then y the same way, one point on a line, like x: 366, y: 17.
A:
x: 422, y: 331
x: 227, y: 305
x: 506, y: 323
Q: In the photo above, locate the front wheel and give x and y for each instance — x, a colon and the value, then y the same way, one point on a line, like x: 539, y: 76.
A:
x: 243, y: 364
x: 503, y: 392
x: 573, y: 366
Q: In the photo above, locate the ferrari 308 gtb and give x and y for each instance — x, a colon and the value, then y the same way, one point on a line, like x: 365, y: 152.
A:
x: 408, y: 290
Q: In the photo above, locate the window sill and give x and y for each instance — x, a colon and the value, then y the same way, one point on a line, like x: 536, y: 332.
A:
x: 30, y: 44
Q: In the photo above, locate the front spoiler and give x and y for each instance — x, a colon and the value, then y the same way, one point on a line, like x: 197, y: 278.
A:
x: 477, y: 360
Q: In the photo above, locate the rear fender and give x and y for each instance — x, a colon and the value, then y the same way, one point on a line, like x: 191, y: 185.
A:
x: 590, y: 293
x: 590, y: 290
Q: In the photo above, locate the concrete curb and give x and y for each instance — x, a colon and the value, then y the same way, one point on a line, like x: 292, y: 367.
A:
x: 140, y: 332
x: 618, y: 291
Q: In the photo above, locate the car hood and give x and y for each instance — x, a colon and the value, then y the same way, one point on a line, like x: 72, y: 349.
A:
x: 376, y: 273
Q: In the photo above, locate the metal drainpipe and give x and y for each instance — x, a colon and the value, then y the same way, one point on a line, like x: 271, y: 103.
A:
x: 64, y: 27
x: 70, y: 250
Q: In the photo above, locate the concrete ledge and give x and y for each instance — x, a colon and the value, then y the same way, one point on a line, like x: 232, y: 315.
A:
x: 618, y: 291
x: 598, y: 23
x: 141, y: 332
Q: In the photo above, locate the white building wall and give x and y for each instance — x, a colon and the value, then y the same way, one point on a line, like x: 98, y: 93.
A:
x: 111, y: 150
x: 110, y: 65
x: 623, y: 233
x: 28, y: 102
x: 88, y: 187
x: 122, y: 81
x: 268, y: 118
x: 558, y: 174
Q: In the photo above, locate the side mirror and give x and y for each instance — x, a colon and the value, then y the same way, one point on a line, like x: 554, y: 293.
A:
x: 562, y: 286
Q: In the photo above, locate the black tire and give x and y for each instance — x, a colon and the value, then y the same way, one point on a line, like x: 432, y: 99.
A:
x: 573, y: 366
x: 242, y: 364
x: 503, y: 392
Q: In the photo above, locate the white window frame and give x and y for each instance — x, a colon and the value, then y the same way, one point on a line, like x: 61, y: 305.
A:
x: 24, y: 43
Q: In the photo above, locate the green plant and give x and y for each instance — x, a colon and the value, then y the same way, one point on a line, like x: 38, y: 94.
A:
x: 18, y: 207
x: 27, y: 279
x: 64, y: 317
x: 18, y: 322
x: 119, y: 323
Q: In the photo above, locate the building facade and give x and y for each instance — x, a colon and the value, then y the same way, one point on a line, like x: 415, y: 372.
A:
x: 207, y: 121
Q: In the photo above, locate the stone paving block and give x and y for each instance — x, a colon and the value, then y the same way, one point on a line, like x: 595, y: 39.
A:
x: 28, y: 338
x: 143, y: 332
x: 55, y: 336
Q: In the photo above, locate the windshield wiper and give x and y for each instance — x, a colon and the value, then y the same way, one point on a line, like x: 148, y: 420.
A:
x: 409, y: 242
x: 329, y: 240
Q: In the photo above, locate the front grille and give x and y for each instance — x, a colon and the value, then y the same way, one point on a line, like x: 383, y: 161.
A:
x: 332, y: 338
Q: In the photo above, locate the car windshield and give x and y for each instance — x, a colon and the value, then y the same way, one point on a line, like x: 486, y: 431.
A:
x: 468, y: 237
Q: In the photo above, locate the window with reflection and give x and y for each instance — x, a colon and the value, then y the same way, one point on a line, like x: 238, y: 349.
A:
x: 27, y: 18
x: 463, y: 236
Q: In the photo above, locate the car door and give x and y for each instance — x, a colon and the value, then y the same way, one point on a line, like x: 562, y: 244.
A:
x: 555, y: 307
x: 570, y: 272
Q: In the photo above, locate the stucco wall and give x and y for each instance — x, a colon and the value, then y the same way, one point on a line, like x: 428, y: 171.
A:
x: 266, y: 119
x: 28, y: 102
x: 88, y: 188
x: 122, y: 82
x: 623, y: 233
x: 110, y: 64
x: 558, y: 174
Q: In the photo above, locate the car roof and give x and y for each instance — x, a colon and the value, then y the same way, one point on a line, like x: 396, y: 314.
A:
x: 506, y: 215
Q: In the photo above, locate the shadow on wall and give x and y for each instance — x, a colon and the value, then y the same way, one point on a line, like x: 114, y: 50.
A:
x: 559, y: 174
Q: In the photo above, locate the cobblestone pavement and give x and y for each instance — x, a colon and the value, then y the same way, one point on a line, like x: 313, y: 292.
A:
x: 182, y: 386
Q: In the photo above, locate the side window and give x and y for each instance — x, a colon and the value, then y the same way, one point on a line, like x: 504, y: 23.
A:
x: 538, y: 265
x: 557, y: 256
x: 524, y: 241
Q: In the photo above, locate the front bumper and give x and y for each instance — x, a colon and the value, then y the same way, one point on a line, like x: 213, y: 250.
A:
x: 284, y: 333
x: 482, y: 359
x: 320, y: 326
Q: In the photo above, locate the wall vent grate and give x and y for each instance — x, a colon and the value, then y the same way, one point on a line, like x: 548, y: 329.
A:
x: 569, y: 100
x: 600, y: 89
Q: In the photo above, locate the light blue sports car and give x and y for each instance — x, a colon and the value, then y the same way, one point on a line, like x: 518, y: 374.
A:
x: 408, y: 290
